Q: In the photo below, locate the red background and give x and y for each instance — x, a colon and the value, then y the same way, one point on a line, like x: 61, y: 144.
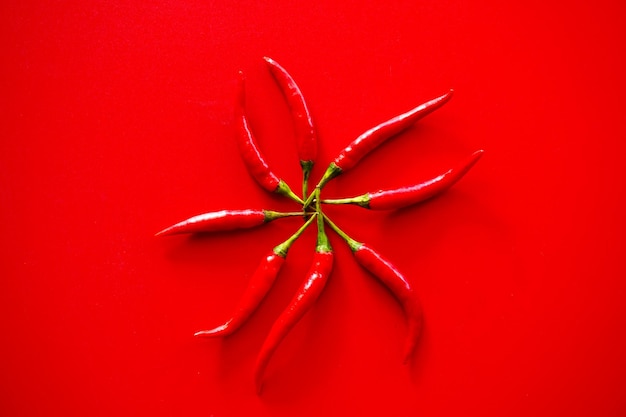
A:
x: 117, y: 121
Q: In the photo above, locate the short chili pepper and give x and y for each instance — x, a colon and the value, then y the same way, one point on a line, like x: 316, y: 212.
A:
x: 406, y: 196
x: 375, y: 136
x: 250, y: 153
x: 258, y: 286
x: 225, y: 220
x: 393, y: 279
x: 303, y: 300
x: 306, y: 138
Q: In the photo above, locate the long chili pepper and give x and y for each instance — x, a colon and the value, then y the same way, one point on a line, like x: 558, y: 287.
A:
x: 306, y: 138
x: 303, y: 300
x: 250, y: 153
x: 393, y: 279
x: 258, y: 286
x: 375, y: 136
x: 406, y: 196
x: 225, y: 220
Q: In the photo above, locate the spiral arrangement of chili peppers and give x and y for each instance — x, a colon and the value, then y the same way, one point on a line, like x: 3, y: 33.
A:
x: 311, y: 208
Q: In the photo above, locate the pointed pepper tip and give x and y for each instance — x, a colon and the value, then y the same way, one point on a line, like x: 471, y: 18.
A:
x: 205, y: 333
x: 163, y: 232
x: 406, y: 360
x: 259, y: 388
x: 222, y: 330
x: 476, y: 156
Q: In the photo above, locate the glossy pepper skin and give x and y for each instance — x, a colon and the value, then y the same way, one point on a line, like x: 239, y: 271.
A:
x: 306, y: 138
x: 306, y: 296
x: 319, y: 272
x: 250, y: 153
x: 374, y: 137
x: 391, y: 277
x: 309, y: 292
x: 224, y: 220
x: 397, y: 284
x: 407, y: 196
x: 259, y: 285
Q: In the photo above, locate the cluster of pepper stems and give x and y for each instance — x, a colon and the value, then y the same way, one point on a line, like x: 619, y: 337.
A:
x: 311, y: 203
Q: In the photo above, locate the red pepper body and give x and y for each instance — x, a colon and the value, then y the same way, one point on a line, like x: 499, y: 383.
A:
x: 399, y: 287
x: 306, y: 138
x: 369, y: 140
x: 250, y: 153
x: 406, y: 196
x: 305, y: 297
x: 258, y: 286
x: 219, y: 221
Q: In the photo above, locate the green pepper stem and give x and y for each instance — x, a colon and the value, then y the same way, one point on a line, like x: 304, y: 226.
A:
x: 283, y: 189
x: 323, y: 245
x: 361, y: 200
x: 309, y: 200
x: 273, y: 215
x: 283, y: 248
x: 331, y: 172
x: 306, y: 172
x: 354, y: 245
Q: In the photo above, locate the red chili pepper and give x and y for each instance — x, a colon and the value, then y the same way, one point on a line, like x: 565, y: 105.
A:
x: 225, y: 220
x: 306, y: 139
x: 406, y: 196
x: 375, y: 136
x: 305, y: 297
x: 258, y: 286
x: 393, y: 279
x: 389, y: 275
x: 250, y: 153
x: 269, y: 268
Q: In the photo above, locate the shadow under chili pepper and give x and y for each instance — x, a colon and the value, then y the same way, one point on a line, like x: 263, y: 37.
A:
x: 465, y: 213
x: 421, y: 354
x: 306, y: 357
x: 199, y: 238
x: 454, y: 204
x: 207, y: 250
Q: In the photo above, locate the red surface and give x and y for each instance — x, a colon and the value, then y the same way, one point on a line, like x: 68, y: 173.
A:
x: 117, y: 121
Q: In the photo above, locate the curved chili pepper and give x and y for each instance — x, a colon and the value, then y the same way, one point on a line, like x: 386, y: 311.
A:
x: 368, y: 258
x: 258, y: 286
x: 250, y: 153
x: 406, y: 196
x: 375, y: 136
x: 389, y: 275
x: 393, y: 279
x: 225, y: 220
x: 303, y: 300
x: 306, y: 138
